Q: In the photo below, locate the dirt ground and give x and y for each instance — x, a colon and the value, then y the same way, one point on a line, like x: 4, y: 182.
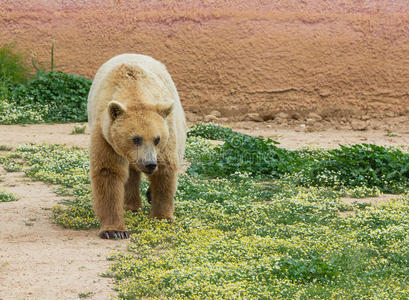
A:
x: 40, y: 260
x: 394, y: 132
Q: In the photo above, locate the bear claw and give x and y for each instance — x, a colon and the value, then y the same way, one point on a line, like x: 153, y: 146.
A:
x: 114, y: 234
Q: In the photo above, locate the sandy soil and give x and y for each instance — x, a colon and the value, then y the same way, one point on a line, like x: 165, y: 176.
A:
x: 40, y: 260
x: 290, y: 137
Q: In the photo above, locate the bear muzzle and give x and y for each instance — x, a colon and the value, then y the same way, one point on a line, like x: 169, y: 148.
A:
x: 149, y: 167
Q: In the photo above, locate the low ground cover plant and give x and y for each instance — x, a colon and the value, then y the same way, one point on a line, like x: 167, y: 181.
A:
x: 366, y: 165
x: 360, y: 165
x: 79, y: 129
x: 7, y: 196
x: 5, y: 148
x: 212, y: 132
x: 63, y: 97
x: 247, y: 234
x: 41, y: 96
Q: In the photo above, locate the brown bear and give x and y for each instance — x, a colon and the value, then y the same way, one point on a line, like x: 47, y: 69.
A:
x: 137, y: 125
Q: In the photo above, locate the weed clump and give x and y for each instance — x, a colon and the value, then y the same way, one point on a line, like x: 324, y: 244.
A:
x: 51, y: 96
x: 354, y: 166
x: 13, y: 67
x: 366, y: 165
x: 80, y: 129
x: 61, y: 97
x: 212, y: 132
x: 7, y: 197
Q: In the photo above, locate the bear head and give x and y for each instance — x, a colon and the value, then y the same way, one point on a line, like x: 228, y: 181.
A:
x: 139, y: 132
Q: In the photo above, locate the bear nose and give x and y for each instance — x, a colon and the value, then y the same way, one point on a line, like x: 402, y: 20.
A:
x: 151, y: 166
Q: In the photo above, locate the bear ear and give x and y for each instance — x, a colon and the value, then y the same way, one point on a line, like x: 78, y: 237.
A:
x: 164, y: 109
x: 115, y: 109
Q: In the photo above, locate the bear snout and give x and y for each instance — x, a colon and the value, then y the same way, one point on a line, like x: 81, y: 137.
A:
x: 149, y: 167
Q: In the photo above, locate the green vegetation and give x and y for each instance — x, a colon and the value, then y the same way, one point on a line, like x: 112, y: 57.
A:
x: 355, y: 166
x: 13, y: 68
x: 254, y: 235
x: 5, y: 148
x: 11, y: 162
x: 212, y: 132
x: 85, y: 294
x: 7, y: 197
x: 80, y: 129
x: 48, y: 97
x: 391, y: 134
x: 40, y: 67
x: 44, y: 97
x: 359, y: 165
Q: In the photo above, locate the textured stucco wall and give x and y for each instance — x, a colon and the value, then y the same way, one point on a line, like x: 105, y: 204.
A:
x: 236, y: 56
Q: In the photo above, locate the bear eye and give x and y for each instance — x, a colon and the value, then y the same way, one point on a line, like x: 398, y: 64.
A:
x: 137, y: 140
x: 156, y: 141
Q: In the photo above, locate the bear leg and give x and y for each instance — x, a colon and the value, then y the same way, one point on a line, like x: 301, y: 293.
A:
x: 163, y: 185
x: 132, y: 190
x: 108, y: 174
x: 108, y: 195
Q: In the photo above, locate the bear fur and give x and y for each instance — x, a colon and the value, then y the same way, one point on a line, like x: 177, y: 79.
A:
x: 137, y: 125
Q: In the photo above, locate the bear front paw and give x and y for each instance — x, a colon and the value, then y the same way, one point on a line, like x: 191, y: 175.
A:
x: 114, y: 234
